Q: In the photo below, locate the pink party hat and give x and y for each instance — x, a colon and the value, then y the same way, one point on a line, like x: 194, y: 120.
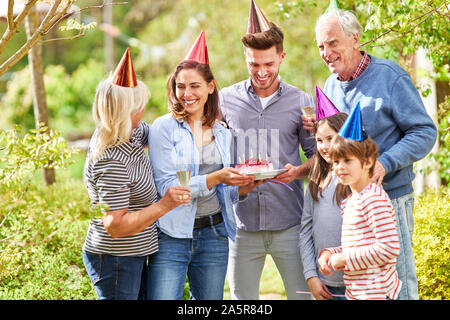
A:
x: 324, y: 107
x: 199, y: 51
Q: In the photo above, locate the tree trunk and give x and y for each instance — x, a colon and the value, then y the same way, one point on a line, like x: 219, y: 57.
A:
x: 37, y: 80
x: 109, y: 40
x: 431, y: 179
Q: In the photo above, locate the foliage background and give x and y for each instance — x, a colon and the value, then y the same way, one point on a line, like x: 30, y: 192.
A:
x: 43, y: 228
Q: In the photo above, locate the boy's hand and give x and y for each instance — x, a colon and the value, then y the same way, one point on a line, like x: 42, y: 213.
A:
x: 337, y: 261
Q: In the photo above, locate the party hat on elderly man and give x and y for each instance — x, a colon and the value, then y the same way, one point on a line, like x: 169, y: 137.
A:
x: 324, y: 107
x: 353, y: 128
x: 334, y: 5
x: 124, y: 74
x: 257, y: 22
x: 199, y: 51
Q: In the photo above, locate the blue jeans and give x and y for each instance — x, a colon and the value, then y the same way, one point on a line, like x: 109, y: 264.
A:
x: 337, y: 290
x: 204, y: 260
x: 406, y: 268
x: 114, y: 277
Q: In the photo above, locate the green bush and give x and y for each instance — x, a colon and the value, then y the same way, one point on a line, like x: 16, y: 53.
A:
x: 432, y: 244
x: 443, y: 156
x: 41, y: 243
x: 69, y: 97
x: 40, y: 227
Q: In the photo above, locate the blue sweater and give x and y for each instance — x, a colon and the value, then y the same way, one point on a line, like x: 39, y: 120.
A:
x: 393, y: 115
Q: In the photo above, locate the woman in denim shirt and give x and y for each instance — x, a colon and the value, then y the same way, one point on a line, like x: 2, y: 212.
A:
x: 193, y: 239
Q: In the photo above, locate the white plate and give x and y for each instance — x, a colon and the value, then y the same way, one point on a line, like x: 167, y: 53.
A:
x: 266, y: 174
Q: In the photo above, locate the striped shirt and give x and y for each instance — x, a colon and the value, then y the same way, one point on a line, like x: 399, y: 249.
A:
x: 121, y: 178
x: 363, y: 64
x: 370, y: 244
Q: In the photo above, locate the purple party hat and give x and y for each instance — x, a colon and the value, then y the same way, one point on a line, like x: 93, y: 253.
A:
x: 324, y: 107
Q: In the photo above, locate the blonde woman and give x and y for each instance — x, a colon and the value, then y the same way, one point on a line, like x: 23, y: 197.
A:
x: 118, y: 173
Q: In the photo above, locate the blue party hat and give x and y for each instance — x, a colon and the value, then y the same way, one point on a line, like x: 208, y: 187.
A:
x: 352, y: 127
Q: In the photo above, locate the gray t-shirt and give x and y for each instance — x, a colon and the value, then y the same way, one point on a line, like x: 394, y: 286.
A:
x: 320, y: 228
x: 210, y: 161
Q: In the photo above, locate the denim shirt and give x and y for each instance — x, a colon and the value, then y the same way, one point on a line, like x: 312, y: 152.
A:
x: 170, y: 141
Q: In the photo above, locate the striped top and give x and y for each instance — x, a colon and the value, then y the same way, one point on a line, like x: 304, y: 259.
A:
x: 121, y: 178
x: 370, y: 243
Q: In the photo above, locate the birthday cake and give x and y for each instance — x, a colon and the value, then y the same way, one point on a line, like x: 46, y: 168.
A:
x: 254, y: 165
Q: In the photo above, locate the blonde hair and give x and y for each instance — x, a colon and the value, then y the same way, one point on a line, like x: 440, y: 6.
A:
x: 112, y: 109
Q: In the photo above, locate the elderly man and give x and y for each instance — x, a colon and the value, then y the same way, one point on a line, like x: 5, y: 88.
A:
x: 393, y: 115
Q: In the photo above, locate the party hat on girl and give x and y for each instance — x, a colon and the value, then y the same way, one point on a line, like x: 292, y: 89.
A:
x: 352, y: 127
x: 124, y: 74
x: 199, y: 51
x: 324, y: 107
x: 257, y: 22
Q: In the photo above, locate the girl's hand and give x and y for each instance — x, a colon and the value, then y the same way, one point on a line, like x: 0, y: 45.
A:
x: 337, y: 261
x: 322, y: 263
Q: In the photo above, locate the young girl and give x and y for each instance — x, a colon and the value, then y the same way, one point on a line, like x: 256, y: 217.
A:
x: 370, y: 243
x: 321, y: 218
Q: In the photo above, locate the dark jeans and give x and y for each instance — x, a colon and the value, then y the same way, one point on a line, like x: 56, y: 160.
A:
x: 114, y: 277
x: 337, y: 291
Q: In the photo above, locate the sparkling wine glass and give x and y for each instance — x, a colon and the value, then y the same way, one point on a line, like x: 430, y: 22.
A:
x: 310, y: 112
x: 184, y: 176
x: 183, y: 172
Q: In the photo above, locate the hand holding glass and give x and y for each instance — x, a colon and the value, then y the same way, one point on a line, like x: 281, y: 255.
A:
x: 183, y: 175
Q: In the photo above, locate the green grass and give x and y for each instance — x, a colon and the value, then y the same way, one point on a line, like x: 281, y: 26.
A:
x: 271, y: 285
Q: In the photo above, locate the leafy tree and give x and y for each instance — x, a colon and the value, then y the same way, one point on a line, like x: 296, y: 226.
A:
x: 396, y: 29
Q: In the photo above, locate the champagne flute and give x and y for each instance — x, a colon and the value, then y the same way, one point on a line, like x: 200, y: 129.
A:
x: 310, y: 112
x: 183, y: 174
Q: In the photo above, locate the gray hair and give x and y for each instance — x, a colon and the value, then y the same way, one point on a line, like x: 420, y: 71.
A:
x: 347, y: 20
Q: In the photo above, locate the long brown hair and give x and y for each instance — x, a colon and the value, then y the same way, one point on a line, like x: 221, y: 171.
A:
x: 211, y: 111
x: 322, y: 168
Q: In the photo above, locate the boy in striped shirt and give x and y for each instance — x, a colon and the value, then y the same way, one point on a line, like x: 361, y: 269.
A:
x: 369, y: 239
